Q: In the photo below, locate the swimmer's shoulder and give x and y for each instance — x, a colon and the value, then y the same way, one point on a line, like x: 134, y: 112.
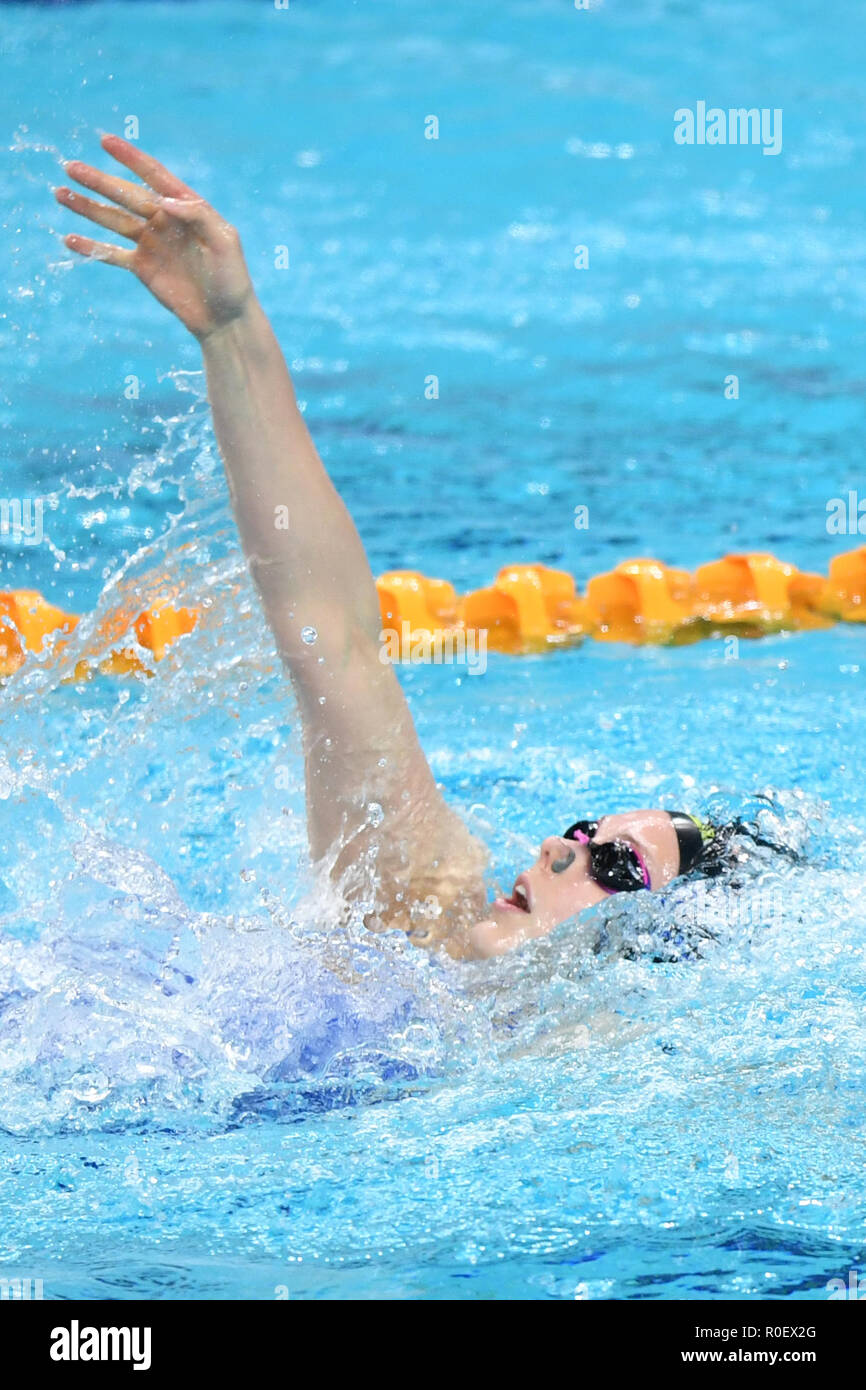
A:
x: 443, y: 892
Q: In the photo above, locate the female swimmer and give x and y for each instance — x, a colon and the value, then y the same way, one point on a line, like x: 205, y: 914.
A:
x: 360, y: 744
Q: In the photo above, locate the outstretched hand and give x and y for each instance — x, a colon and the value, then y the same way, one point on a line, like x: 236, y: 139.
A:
x: 188, y: 256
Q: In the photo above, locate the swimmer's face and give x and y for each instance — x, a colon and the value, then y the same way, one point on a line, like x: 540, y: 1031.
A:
x: 559, y: 884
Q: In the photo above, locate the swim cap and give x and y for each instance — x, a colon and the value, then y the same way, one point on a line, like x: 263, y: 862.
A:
x: 690, y: 837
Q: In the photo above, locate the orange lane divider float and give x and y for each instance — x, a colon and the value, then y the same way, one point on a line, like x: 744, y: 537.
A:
x: 27, y: 621
x: 641, y: 601
x: 761, y: 592
x: 527, y: 608
x: 845, y: 595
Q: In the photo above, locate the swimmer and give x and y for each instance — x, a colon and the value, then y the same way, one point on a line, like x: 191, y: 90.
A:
x: 371, y: 796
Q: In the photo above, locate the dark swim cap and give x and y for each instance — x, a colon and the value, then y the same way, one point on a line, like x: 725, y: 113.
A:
x: 690, y: 839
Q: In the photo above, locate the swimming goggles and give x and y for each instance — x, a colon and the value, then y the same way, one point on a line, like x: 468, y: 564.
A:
x: 617, y: 867
x: 614, y: 865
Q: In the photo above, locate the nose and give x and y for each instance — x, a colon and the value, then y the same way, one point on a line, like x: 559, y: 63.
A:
x: 557, y: 854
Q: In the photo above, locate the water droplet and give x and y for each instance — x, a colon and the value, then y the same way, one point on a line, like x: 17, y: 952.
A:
x: 375, y: 814
x: 308, y: 635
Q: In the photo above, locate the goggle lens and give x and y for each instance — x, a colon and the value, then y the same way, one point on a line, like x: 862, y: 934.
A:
x: 613, y: 865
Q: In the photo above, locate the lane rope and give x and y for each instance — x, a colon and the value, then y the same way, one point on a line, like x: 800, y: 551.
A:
x: 528, y: 608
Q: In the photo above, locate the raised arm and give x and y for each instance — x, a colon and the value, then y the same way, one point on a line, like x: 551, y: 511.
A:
x: 319, y: 597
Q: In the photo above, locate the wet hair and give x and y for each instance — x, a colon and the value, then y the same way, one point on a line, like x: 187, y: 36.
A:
x: 730, y: 847
x: 736, y: 849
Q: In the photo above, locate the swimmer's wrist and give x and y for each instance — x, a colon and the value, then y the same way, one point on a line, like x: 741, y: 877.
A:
x: 248, y: 316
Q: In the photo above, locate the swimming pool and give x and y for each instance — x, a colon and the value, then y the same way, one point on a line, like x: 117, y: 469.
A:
x: 204, y: 1092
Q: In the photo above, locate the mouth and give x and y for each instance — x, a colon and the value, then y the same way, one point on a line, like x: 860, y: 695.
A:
x: 520, y: 899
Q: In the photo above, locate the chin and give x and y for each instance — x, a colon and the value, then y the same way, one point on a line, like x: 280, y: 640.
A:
x: 499, y: 934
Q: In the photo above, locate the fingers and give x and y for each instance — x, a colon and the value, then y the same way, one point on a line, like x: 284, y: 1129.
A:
x: 195, y: 212
x: 114, y: 219
x: 148, y: 169
x: 129, y: 195
x: 100, y: 251
x: 135, y: 205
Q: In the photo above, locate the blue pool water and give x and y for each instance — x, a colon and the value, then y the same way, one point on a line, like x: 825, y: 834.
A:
x: 205, y: 1090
